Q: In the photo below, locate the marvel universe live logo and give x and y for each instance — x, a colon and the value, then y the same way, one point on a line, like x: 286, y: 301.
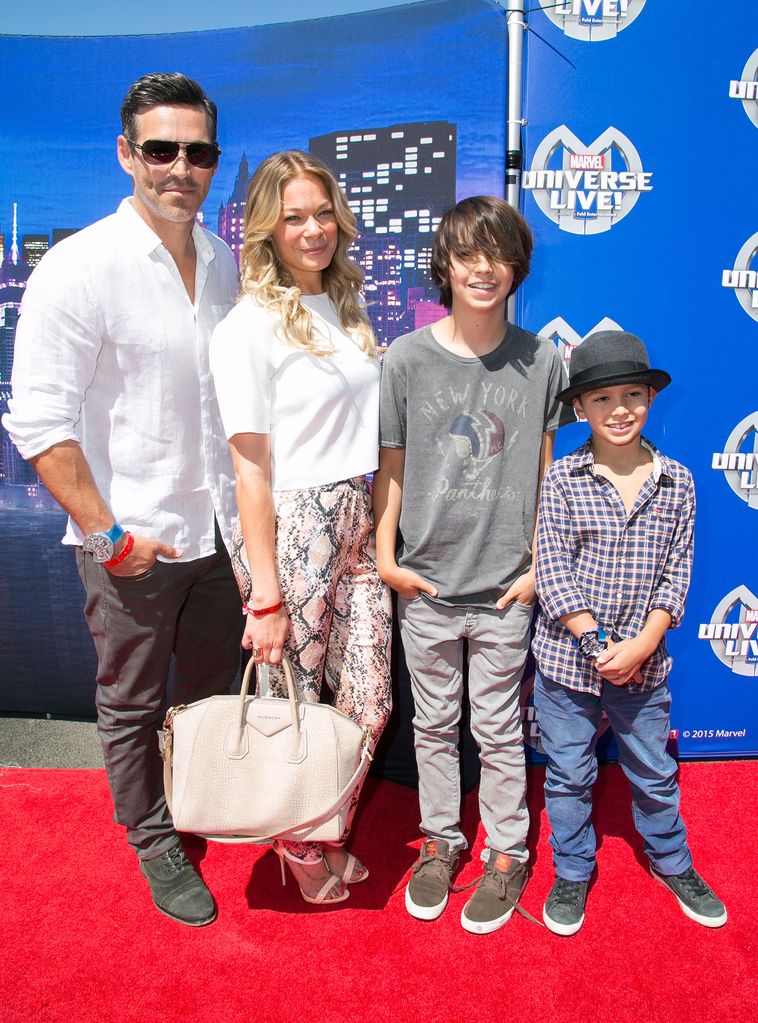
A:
x: 743, y: 279
x: 741, y: 467
x: 738, y: 637
x: 746, y: 88
x: 586, y: 195
x: 592, y: 20
x: 735, y: 643
x: 592, y: 11
x: 743, y: 90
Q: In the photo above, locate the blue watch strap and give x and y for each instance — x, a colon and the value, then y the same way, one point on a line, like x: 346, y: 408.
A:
x: 115, y: 533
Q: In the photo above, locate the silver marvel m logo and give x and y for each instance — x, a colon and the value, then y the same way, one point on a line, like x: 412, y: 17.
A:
x: 746, y: 88
x: 586, y: 189
x: 592, y: 20
x: 740, y: 465
x: 733, y: 631
x: 566, y: 339
x: 743, y: 278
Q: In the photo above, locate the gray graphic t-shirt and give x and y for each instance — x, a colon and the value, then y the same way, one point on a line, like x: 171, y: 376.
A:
x: 472, y: 431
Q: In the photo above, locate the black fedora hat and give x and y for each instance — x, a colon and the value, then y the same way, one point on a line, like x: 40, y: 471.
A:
x: 610, y: 357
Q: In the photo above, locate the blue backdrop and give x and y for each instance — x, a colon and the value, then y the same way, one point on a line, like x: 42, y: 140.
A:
x: 651, y: 227
x: 641, y: 153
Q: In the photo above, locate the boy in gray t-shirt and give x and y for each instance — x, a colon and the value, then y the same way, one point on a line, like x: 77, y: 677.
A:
x: 468, y: 414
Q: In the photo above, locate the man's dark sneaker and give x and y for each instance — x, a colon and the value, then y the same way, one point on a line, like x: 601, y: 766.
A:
x: 697, y: 900
x: 497, y: 893
x: 563, y: 911
x: 176, y: 888
x: 427, y: 892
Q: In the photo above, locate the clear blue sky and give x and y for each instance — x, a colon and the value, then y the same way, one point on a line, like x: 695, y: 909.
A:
x: 91, y: 18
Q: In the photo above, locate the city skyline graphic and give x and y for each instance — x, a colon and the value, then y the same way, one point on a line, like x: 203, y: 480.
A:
x: 398, y: 181
x: 326, y: 85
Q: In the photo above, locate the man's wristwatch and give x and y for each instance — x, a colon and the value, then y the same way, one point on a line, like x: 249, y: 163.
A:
x: 592, y: 643
x: 101, y: 545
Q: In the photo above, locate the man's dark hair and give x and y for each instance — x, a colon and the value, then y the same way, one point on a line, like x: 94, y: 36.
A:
x: 483, y: 224
x: 160, y: 90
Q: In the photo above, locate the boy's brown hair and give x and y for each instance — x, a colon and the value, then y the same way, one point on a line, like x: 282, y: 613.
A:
x: 481, y: 223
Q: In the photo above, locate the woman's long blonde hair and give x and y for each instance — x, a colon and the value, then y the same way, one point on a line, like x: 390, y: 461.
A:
x: 271, y: 284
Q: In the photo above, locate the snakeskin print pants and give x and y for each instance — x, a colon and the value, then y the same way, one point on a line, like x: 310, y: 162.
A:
x: 339, y: 609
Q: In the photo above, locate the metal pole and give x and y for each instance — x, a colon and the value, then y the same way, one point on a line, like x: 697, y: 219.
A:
x: 514, y: 154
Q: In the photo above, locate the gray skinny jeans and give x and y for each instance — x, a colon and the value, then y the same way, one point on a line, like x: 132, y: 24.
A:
x: 498, y: 641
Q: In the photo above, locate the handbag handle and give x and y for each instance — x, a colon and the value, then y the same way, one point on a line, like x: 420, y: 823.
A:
x: 294, y: 701
x: 314, y: 822
x: 294, y: 695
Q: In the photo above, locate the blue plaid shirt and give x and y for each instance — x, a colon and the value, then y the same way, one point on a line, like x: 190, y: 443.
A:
x: 593, y: 556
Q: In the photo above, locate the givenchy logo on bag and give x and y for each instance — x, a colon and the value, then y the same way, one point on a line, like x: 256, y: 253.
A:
x: 270, y: 723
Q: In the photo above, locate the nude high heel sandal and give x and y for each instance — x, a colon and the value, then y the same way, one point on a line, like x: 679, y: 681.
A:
x: 300, y: 872
x: 352, y: 865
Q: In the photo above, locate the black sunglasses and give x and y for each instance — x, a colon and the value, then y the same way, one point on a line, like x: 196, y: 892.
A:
x: 161, y: 152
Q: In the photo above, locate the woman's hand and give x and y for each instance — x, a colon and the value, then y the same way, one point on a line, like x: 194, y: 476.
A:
x: 266, y: 636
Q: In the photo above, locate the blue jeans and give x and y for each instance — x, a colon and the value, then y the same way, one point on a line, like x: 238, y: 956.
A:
x: 568, y: 723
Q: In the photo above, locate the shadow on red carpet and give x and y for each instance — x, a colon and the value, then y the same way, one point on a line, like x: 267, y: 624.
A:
x: 82, y: 943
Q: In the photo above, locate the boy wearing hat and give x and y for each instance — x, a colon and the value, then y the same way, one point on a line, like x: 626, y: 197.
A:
x: 614, y: 555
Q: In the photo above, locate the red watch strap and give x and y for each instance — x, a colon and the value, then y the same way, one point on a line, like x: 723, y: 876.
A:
x: 260, y: 612
x: 126, y: 550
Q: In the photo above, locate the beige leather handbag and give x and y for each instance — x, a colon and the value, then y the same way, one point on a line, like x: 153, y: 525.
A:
x: 251, y: 768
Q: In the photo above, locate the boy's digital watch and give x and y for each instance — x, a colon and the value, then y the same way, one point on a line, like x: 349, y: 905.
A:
x: 592, y: 643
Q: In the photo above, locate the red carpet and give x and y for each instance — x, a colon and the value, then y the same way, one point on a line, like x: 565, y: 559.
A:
x: 81, y: 942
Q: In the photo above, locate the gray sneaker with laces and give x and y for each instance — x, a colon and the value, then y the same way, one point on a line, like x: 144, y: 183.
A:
x: 697, y: 900
x: 563, y: 912
x: 497, y: 893
x: 427, y: 892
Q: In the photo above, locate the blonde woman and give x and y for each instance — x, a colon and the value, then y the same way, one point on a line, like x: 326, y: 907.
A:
x: 297, y: 377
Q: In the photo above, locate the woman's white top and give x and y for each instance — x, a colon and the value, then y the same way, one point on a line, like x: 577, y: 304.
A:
x: 322, y: 412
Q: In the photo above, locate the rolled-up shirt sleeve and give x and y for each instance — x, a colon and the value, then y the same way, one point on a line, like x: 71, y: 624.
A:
x: 671, y: 592
x: 556, y: 587
x: 58, y: 341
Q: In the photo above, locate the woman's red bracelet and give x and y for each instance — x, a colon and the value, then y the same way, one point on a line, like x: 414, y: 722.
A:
x: 260, y: 612
x: 126, y: 550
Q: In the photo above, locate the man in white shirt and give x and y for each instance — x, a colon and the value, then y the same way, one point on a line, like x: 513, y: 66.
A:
x: 114, y: 405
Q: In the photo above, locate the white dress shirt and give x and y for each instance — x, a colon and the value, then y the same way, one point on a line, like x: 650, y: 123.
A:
x: 322, y: 412
x: 111, y: 352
